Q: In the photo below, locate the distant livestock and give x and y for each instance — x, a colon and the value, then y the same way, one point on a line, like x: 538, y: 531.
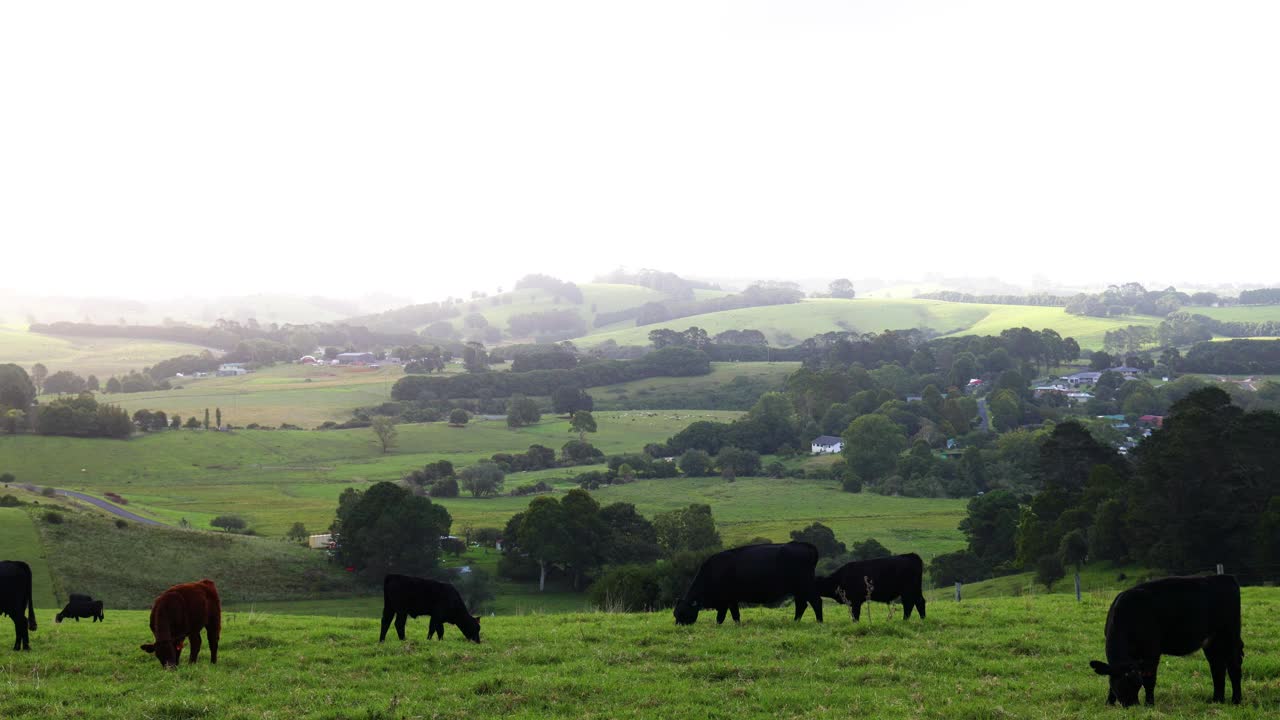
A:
x: 179, y: 614
x: 879, y: 580
x: 15, y: 596
x: 81, y: 606
x: 1173, y: 616
x: 761, y: 574
x: 404, y: 597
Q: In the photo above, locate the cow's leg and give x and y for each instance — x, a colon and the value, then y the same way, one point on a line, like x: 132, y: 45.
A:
x: 733, y: 610
x: 801, y: 604
x: 855, y: 608
x: 19, y: 631
x: 1149, y: 683
x: 435, y: 628
x: 387, y: 615
x: 401, y: 618
x: 213, y: 631
x: 920, y: 605
x: 1235, y: 658
x: 194, y: 640
x: 1111, y: 697
x: 1218, y: 670
x: 720, y: 613
x: 816, y: 601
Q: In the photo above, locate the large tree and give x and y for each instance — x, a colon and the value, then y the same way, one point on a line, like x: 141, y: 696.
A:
x: 840, y: 288
x: 689, y: 530
x: 482, y: 479
x: 871, y: 446
x: 583, y: 422
x: 387, y: 529
x: 17, y: 392
x: 522, y: 411
x: 384, y: 429
x: 544, y: 534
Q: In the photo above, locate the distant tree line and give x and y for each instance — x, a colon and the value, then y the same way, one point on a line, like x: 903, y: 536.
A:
x: 1039, y: 299
x: 550, y: 325
x: 674, y: 286
x: 1234, y: 357
x: 559, y: 289
x: 251, y: 341
x: 673, y: 362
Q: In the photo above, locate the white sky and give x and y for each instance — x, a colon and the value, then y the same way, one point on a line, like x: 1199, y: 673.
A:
x: 169, y: 148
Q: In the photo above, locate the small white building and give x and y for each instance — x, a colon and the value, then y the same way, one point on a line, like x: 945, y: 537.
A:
x: 320, y: 542
x: 228, y: 369
x: 1083, y: 378
x: 826, y: 444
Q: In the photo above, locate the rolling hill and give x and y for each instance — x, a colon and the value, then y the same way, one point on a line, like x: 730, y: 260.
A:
x: 85, y: 355
x: 789, y: 324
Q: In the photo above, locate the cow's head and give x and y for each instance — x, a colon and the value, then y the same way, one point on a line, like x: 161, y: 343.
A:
x: 686, y: 612
x: 1125, y: 682
x: 827, y: 587
x: 166, y: 651
x: 470, y: 627
x: 57, y: 619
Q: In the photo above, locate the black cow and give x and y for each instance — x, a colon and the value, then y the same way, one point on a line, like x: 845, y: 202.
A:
x: 879, y: 580
x: 15, y: 596
x: 762, y: 574
x: 404, y: 597
x: 1173, y: 616
x: 81, y: 606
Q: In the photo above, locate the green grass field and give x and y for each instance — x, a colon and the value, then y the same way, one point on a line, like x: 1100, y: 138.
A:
x: 274, y: 477
x: 684, y: 392
x: 997, y: 658
x: 19, y: 541
x: 1240, y: 313
x: 302, y: 395
x: 790, y: 324
x: 85, y: 356
x: 603, y: 297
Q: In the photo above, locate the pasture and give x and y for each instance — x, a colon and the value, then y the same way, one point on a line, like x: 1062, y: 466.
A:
x: 276, y: 477
x: 1240, y: 313
x: 302, y: 395
x: 604, y: 297
x: 790, y: 324
x: 996, y: 658
x: 85, y: 356
x: 698, y: 390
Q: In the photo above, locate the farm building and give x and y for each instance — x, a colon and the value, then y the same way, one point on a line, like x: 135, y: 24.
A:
x: 229, y: 369
x: 826, y: 444
x: 1082, y: 378
x: 355, y: 358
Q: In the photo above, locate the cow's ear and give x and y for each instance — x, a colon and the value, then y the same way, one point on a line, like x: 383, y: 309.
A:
x: 149, y: 647
x: 1100, y: 667
x: 476, y: 618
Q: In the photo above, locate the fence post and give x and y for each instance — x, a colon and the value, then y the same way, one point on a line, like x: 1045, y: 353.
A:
x: 1219, y: 568
x: 1077, y: 587
x: 958, y: 591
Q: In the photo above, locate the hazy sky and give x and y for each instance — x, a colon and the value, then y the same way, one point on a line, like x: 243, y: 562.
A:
x: 432, y: 148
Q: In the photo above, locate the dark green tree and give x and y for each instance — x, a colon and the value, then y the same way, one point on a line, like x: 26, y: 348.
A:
x: 387, y: 529
x: 689, y: 530
x: 821, y: 537
x: 871, y: 446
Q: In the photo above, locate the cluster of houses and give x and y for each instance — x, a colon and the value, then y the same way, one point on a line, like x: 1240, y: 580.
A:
x: 360, y: 359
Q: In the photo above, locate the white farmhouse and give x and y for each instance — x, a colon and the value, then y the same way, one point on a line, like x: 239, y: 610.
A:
x: 826, y: 444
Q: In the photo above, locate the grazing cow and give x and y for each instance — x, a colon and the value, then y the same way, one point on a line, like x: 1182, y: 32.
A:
x: 180, y: 613
x: 81, y: 606
x: 404, y: 597
x: 1173, y: 616
x: 15, y: 596
x: 879, y: 580
x: 763, y: 574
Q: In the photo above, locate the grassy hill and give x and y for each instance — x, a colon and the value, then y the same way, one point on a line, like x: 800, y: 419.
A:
x: 274, y: 478
x: 603, y: 297
x: 1240, y: 313
x: 19, y: 541
x: 84, y: 355
x: 1003, y: 658
x: 789, y: 324
x: 726, y: 379
x: 302, y: 395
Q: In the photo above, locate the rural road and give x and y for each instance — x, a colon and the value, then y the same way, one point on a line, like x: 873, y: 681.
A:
x: 109, y: 507
x: 982, y: 411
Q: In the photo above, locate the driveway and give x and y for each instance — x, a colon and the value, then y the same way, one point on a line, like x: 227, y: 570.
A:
x: 109, y: 507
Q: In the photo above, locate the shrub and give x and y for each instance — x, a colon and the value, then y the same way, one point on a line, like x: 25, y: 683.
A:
x: 1049, y: 570
x: 6, y: 478
x: 628, y: 588
x: 53, y: 518
x: 453, y: 546
x: 120, y: 523
x: 852, y: 483
x: 228, y: 522
x: 459, y: 417
x: 9, y: 501
x: 49, y: 492
x: 531, y: 489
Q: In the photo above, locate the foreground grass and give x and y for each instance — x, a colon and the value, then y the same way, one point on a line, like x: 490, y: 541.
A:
x: 1014, y: 657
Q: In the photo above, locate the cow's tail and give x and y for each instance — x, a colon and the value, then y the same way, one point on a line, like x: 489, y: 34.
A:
x: 31, y: 602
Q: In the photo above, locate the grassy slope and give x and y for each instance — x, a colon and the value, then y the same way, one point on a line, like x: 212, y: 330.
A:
x: 19, y: 541
x: 127, y: 567
x: 1241, y: 313
x: 274, y: 478
x: 605, y: 298
x: 722, y: 373
x: 788, y: 324
x: 85, y: 356
x: 1010, y: 657
x: 303, y: 395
